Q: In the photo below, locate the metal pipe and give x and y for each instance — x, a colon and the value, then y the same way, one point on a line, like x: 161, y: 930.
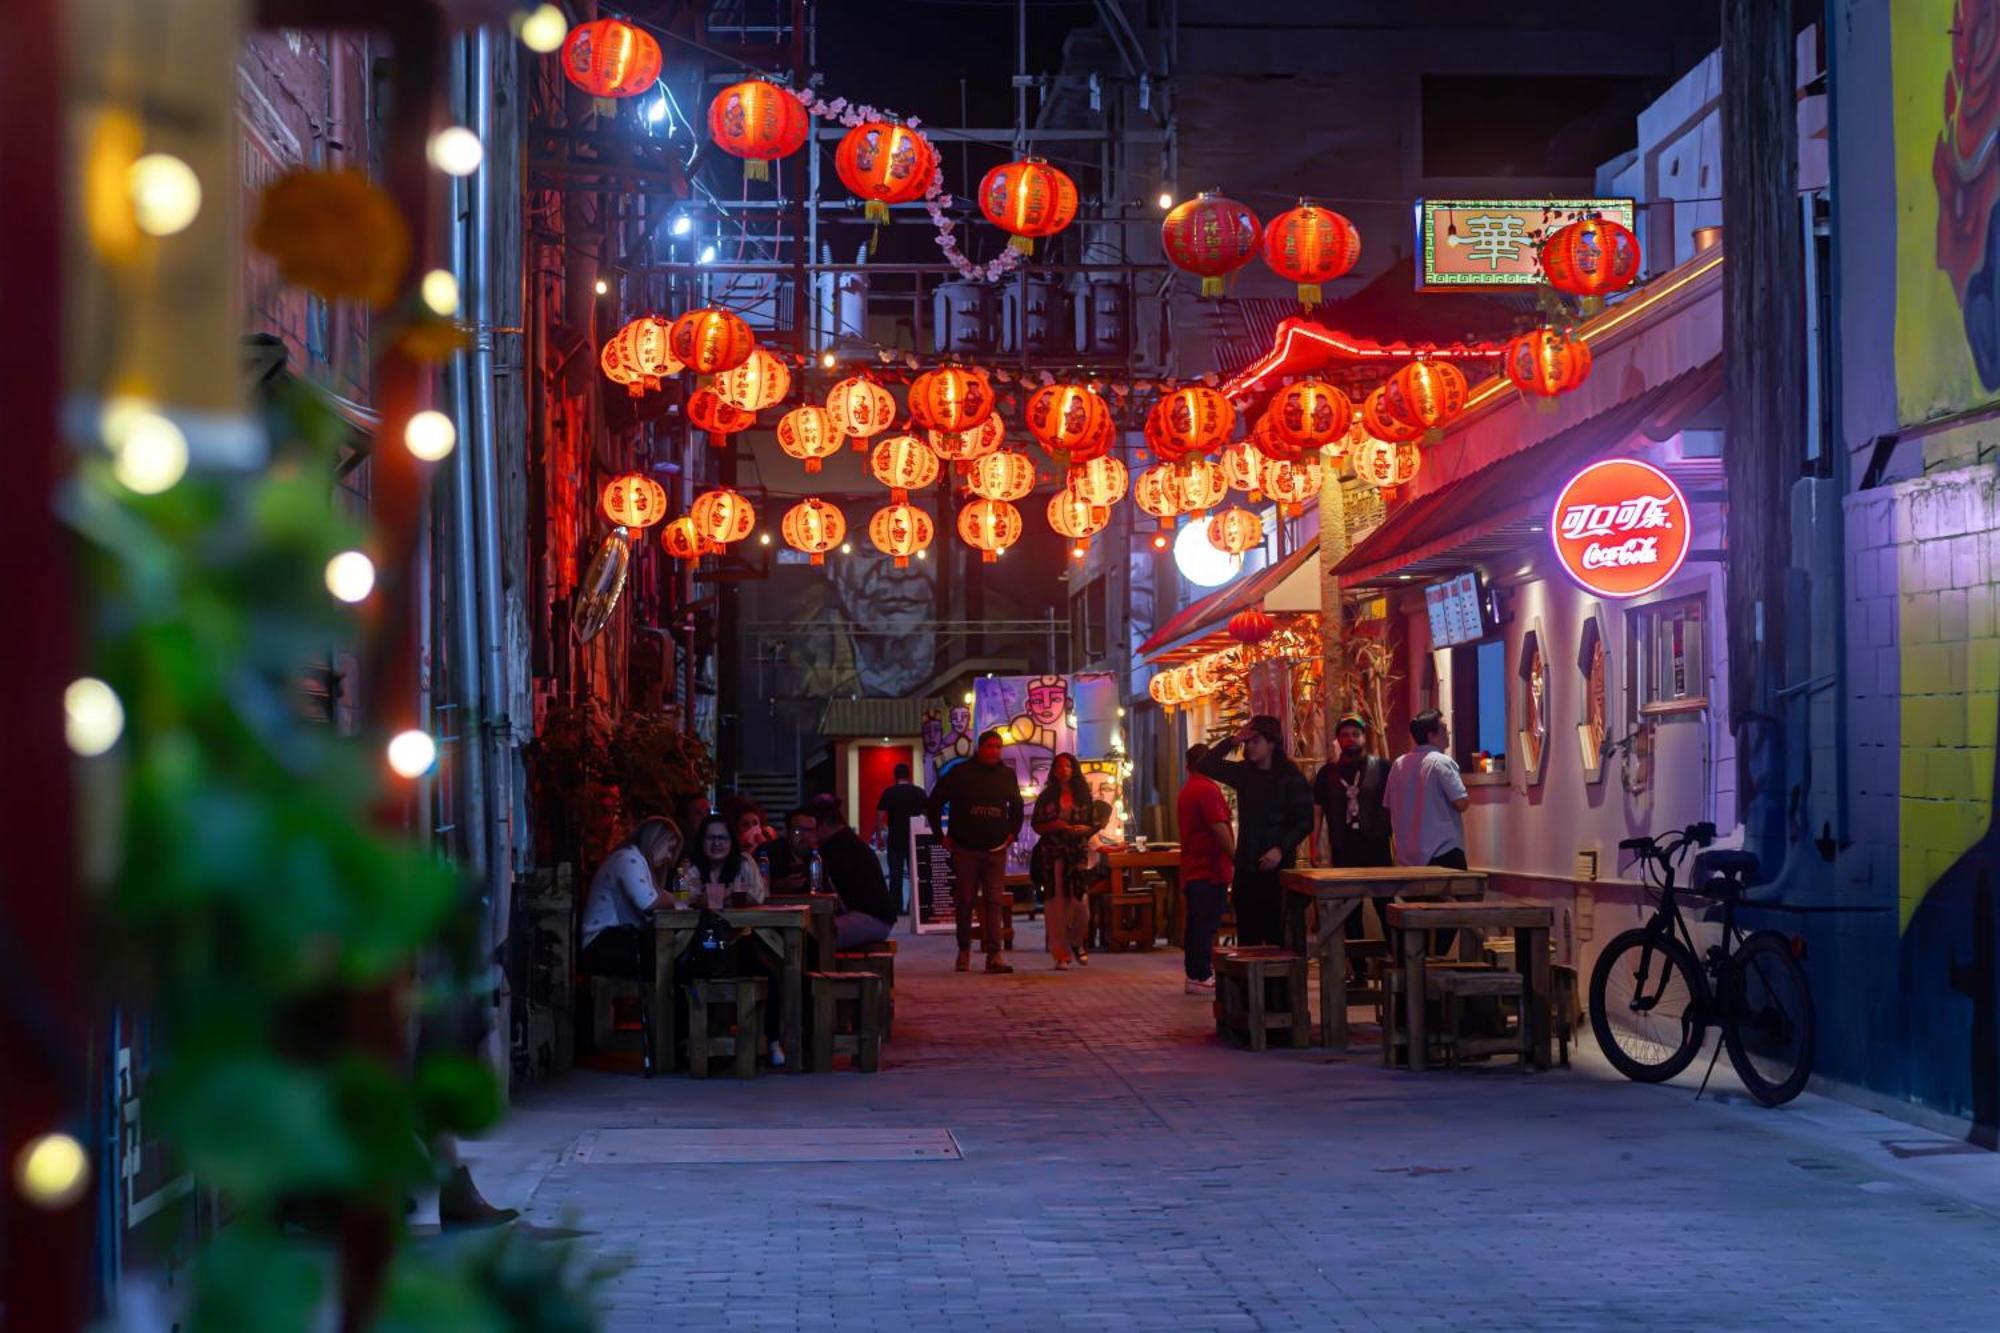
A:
x: 774, y: 266
x: 464, y: 656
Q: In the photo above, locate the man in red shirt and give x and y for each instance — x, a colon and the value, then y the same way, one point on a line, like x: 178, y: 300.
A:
x: 1208, y: 847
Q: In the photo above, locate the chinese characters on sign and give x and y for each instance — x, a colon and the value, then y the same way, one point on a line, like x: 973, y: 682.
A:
x: 1620, y: 527
x: 1495, y: 242
x: 1454, y: 612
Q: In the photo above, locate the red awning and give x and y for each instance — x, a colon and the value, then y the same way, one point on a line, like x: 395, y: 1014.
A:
x: 1517, y: 487
x: 1223, y: 603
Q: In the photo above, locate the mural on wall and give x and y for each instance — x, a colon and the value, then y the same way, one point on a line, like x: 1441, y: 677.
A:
x: 854, y: 627
x: 1945, y: 59
x: 947, y: 738
x: 1038, y: 718
x: 1107, y: 784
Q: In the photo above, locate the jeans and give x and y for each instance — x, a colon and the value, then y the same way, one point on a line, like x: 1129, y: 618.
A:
x: 1205, y: 900
x: 980, y: 877
x: 898, y: 861
x: 1260, y: 912
x: 852, y: 930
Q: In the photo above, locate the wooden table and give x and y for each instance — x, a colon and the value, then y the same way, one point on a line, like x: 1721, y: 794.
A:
x: 783, y: 930
x: 1116, y: 863
x: 1338, y: 892
x: 824, y: 908
x: 1412, y: 923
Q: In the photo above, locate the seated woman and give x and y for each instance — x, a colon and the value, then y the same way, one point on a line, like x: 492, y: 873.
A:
x: 617, y: 938
x: 1064, y: 823
x: 753, y: 835
x: 716, y: 872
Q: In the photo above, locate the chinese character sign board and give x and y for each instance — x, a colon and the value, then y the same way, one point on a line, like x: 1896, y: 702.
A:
x: 1620, y: 527
x: 1496, y: 242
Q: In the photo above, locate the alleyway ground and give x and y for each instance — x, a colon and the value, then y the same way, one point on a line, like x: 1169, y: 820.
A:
x: 1123, y: 1170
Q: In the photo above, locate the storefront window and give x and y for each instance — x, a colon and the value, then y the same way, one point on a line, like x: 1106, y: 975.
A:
x: 1591, y: 730
x: 1479, y: 706
x: 1669, y: 656
x: 1533, y: 738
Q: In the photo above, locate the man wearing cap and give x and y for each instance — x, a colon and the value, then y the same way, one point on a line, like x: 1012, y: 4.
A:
x: 1274, y: 814
x: 1348, y: 796
x: 977, y: 806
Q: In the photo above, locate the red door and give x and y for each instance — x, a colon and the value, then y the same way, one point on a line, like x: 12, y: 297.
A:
x: 877, y: 765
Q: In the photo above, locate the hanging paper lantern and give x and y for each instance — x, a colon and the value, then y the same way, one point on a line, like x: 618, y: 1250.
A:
x: 1251, y: 625
x: 634, y: 501
x: 1545, y: 363
x: 1591, y: 258
x: 607, y: 58
x: 758, y: 122
x: 860, y: 408
x: 1157, y: 491
x: 1387, y: 463
x: 711, y: 341
x: 1099, y: 442
x: 1076, y: 518
x: 707, y: 412
x: 1236, y: 531
x: 951, y: 398
x: 1210, y: 236
x: 616, y: 369
x: 1005, y: 475
x: 681, y: 539
x: 1310, y: 245
x: 989, y: 526
x: 1064, y: 419
x: 901, y: 530
x: 1190, y: 422
x: 721, y: 517
x: 883, y: 163
x: 1161, y: 687
x: 807, y: 434
x: 1211, y: 671
x: 1309, y: 414
x: 760, y: 382
x: 1427, y: 395
x: 1269, y: 443
x: 1101, y: 481
x: 1201, y: 486
x: 1243, y: 468
x: 1188, y: 682
x: 1291, y: 483
x: 815, y: 527
x: 641, y: 355
x: 1383, y: 424
x: 903, y: 463
x: 963, y: 446
x: 1027, y: 199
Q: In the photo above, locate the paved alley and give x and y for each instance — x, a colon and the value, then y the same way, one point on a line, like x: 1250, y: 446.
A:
x: 1121, y: 1169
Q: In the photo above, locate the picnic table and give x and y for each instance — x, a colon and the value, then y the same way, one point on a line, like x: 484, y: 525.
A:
x: 824, y: 908
x: 782, y: 930
x: 1530, y: 922
x: 1121, y: 859
x: 1337, y: 892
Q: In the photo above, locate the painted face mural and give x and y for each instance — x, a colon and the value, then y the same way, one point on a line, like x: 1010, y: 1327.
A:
x: 1048, y: 700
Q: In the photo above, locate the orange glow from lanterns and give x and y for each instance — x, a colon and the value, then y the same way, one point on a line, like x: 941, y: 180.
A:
x: 951, y: 398
x: 990, y: 527
x: 963, y: 446
x: 1005, y: 475
x: 1545, y: 363
x: 1292, y: 483
x: 634, y: 501
x: 1067, y: 420
x: 707, y: 412
x: 761, y: 381
x: 1591, y: 258
x: 1309, y: 414
x: 758, y: 122
x: 1310, y: 245
x: 1190, y: 422
x: 1383, y: 424
x: 1157, y: 491
x: 903, y: 463
x: 1236, y: 531
x: 638, y: 356
x: 807, y: 434
x: 901, y: 530
x: 860, y: 408
x: 709, y: 342
x: 815, y: 527
x: 681, y: 540
x: 1211, y: 236
x: 1101, y: 481
x: 722, y: 516
x: 607, y: 58
x: 1028, y: 199
x: 1074, y: 517
x: 1201, y: 486
x: 883, y: 163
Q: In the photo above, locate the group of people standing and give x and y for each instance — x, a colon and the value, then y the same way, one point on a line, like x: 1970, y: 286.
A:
x: 1364, y: 810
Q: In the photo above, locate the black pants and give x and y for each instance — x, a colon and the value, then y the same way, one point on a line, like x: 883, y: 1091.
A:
x: 899, y: 851
x: 1260, y: 910
x: 625, y: 952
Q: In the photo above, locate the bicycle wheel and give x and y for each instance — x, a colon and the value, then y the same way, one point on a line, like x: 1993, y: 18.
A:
x: 1768, y: 1021
x: 1645, y: 1005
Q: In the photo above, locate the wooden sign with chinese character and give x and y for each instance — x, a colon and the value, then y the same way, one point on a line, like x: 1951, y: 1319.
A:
x: 1495, y: 242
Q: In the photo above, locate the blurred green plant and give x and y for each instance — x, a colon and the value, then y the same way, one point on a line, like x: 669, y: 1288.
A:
x: 265, y: 923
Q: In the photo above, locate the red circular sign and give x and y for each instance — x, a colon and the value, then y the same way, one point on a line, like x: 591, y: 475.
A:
x: 1621, y: 527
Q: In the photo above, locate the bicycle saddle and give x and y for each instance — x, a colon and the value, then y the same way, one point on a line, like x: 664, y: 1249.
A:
x: 1726, y: 870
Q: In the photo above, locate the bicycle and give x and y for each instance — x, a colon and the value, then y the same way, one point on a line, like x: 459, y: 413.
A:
x: 1651, y: 1001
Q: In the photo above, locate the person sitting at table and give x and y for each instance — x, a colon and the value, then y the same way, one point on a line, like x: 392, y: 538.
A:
x: 1064, y: 824
x: 752, y: 833
x: 1273, y: 815
x: 628, y: 886
x: 789, y: 858
x: 715, y: 872
x: 868, y: 911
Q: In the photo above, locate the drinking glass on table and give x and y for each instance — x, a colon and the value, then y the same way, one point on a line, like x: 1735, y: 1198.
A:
x: 1139, y: 843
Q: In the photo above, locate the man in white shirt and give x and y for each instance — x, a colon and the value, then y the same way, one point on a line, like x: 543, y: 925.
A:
x: 1427, y: 797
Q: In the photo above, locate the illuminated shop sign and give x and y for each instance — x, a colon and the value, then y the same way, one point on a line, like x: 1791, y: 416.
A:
x: 1620, y: 527
x: 1495, y: 242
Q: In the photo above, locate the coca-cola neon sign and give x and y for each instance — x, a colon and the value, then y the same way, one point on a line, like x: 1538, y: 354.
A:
x: 1621, y: 527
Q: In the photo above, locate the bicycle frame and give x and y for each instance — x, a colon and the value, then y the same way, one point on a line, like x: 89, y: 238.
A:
x: 1667, y: 919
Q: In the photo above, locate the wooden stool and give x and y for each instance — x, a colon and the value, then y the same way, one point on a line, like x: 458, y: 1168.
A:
x: 882, y: 962
x: 1246, y: 1010
x: 605, y: 992
x: 846, y: 1019
x: 706, y: 1002
x: 1455, y: 986
x: 1129, y: 920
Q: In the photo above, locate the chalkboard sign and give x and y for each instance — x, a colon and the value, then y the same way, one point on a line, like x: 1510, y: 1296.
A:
x: 936, y: 887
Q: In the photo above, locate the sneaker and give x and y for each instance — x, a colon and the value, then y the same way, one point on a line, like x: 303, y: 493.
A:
x: 1083, y: 958
x: 1206, y: 986
x: 994, y: 964
x: 777, y: 1056
x: 964, y: 960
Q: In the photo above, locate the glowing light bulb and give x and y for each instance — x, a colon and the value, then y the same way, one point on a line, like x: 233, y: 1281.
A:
x: 543, y: 29
x: 430, y: 435
x: 827, y: 359
x: 93, y: 717
x: 923, y: 555
x: 165, y: 193
x: 968, y: 697
x: 847, y: 548
x: 350, y: 576
x: 763, y: 539
x: 412, y: 753
x: 603, y: 287
x: 683, y: 225
x: 1077, y: 552
x: 149, y: 452
x: 708, y: 254
x: 1166, y: 199
x: 656, y: 111
x: 456, y: 151
x: 439, y: 291
x: 52, y: 1170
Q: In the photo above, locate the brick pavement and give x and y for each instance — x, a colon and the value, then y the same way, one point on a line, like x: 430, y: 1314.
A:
x: 1122, y: 1170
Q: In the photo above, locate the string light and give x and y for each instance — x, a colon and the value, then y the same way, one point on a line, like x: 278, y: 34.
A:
x: 456, y: 151
x: 412, y: 753
x: 763, y: 539
x: 350, y: 576
x: 93, y: 716
x: 52, y: 1170
x: 149, y: 452
x: 1166, y: 199
x: 430, y: 435
x: 683, y: 224
x: 165, y: 193
x: 827, y: 359
x: 439, y: 290
x: 542, y: 31
x: 603, y: 287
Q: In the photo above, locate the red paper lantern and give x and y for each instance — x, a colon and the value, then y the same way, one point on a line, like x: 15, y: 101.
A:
x: 990, y: 527
x: 1425, y: 394
x: 616, y: 369
x: 1101, y: 481
x: 903, y: 463
x: 1210, y: 236
x: 1545, y: 363
x: 1251, y: 625
x: 1076, y: 518
x: 807, y: 434
x: 722, y: 516
x: 1387, y: 463
x: 1005, y: 475
x: 758, y: 122
x: 963, y: 446
x: 815, y: 527
x: 1243, y: 467
x: 1027, y: 199
x: 1591, y: 258
x: 884, y: 163
x: 860, y: 408
x: 1190, y: 422
x: 760, y: 382
x: 711, y: 341
x: 1235, y: 531
x: 682, y: 541
x: 1383, y: 424
x: 634, y: 501
x: 1067, y: 420
x: 1269, y: 443
x: 706, y: 411
x: 1292, y: 483
x: 639, y: 355
x: 901, y: 530
x: 1201, y: 485
x: 1309, y: 414
x: 1157, y: 491
x: 1310, y: 245
x: 951, y: 398
x: 607, y: 58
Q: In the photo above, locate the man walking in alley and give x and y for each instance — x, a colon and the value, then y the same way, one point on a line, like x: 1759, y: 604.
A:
x: 977, y: 808
x: 867, y: 907
x: 1349, y: 794
x: 1273, y: 816
x: 1207, y: 845
x: 1427, y: 798
x: 902, y: 801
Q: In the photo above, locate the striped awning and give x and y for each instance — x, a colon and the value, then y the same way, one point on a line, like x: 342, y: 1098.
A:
x: 875, y: 717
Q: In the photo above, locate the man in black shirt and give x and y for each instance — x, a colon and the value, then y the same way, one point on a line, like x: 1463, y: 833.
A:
x: 984, y: 805
x: 867, y: 910
x: 900, y: 803
x: 1347, y: 792
x: 1273, y: 816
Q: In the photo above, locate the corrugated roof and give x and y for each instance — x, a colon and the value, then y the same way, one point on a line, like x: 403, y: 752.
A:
x: 875, y: 717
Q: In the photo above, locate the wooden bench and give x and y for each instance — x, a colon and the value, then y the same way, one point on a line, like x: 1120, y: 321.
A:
x: 1130, y: 921
x: 1260, y: 990
x: 1456, y: 985
x: 846, y: 1019
x: 737, y: 1005
x: 881, y: 960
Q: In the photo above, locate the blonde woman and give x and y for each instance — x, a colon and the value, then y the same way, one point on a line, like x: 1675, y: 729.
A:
x: 617, y: 937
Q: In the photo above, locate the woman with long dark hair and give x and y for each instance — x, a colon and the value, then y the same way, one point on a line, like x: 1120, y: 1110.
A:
x: 1064, y: 822
x: 716, y: 871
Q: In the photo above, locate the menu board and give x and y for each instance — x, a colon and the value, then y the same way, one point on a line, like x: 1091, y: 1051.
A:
x: 930, y: 859
x: 1455, y: 611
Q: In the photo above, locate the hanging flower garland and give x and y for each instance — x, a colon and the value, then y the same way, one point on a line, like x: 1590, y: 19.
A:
x: 936, y: 200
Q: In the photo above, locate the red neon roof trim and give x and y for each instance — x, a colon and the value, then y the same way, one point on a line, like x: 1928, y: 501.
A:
x: 1302, y: 346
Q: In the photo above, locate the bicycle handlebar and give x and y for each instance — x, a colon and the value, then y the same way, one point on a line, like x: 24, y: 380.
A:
x: 1674, y: 846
